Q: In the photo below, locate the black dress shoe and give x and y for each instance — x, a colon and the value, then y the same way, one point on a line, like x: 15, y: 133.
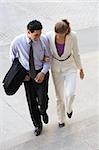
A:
x: 61, y: 125
x: 38, y: 130
x: 45, y: 118
x: 69, y: 114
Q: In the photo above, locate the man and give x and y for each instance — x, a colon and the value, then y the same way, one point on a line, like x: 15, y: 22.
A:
x: 36, y: 87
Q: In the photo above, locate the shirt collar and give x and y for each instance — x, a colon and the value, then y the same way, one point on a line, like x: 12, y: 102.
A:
x: 27, y: 39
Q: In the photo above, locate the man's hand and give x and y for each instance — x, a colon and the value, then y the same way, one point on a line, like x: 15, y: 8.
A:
x: 40, y: 77
x: 27, y: 78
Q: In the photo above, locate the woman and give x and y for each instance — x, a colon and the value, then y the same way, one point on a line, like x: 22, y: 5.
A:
x: 65, y: 62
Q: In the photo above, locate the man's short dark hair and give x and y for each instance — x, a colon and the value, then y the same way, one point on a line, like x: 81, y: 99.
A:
x: 34, y: 25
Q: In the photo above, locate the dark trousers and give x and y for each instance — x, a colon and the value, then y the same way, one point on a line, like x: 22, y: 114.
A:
x: 37, y: 98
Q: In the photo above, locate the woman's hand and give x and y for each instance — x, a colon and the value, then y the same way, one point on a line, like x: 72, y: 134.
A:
x: 40, y: 77
x: 46, y: 59
x: 81, y: 74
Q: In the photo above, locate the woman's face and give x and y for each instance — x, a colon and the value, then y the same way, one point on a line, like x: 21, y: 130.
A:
x: 60, y: 35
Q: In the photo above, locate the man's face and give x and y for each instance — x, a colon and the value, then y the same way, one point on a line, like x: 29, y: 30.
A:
x: 35, y: 35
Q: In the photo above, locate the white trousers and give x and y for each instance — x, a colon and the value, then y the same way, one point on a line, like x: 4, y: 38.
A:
x: 65, y: 86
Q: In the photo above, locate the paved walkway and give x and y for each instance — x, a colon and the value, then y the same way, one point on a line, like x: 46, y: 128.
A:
x: 82, y: 131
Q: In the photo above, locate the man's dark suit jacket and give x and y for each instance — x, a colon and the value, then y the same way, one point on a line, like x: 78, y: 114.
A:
x: 14, y: 77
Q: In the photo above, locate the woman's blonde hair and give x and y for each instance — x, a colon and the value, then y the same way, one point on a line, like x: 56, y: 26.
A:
x: 62, y: 26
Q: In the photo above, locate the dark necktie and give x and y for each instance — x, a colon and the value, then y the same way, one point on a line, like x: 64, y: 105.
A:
x: 32, y: 71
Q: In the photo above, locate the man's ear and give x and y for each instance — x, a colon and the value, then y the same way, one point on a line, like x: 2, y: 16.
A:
x: 28, y: 31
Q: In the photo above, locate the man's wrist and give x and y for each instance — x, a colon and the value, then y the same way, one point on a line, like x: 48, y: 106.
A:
x: 43, y: 73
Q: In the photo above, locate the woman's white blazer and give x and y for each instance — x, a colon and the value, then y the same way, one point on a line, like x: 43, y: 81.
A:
x: 71, y: 48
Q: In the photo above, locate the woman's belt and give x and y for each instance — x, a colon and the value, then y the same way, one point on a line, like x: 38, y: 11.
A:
x: 62, y: 59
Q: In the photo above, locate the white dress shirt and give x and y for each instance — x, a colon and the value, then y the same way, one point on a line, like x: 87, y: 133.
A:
x: 20, y: 47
